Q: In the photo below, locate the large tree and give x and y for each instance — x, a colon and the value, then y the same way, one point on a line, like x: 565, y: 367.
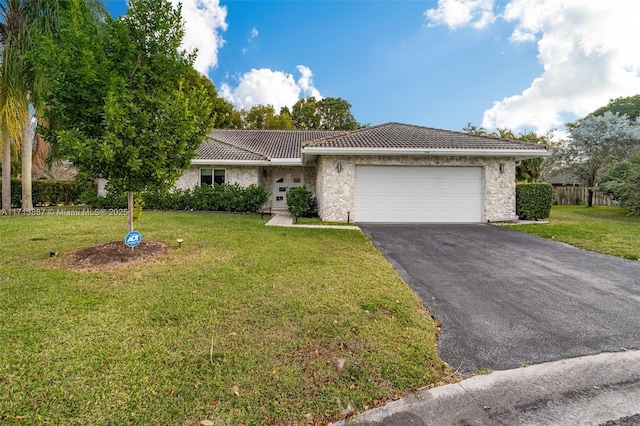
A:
x: 265, y: 117
x: 304, y: 114
x: 123, y: 104
x: 622, y: 183
x: 326, y: 114
x: 223, y: 112
x: 15, y: 79
x: 526, y: 170
x: 21, y: 84
x: 629, y: 106
x: 596, y: 143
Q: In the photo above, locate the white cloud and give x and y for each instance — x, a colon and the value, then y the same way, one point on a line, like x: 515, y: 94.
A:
x: 305, y: 82
x: 204, y: 21
x: 589, y: 50
x: 461, y: 13
x: 590, y: 53
x: 251, y: 39
x: 266, y: 87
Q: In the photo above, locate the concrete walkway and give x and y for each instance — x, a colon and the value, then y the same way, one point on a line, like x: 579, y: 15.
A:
x: 589, y: 390
x: 283, y: 218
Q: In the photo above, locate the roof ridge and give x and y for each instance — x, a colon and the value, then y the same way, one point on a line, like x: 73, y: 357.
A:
x: 277, y: 130
x: 266, y: 157
x: 458, y: 132
x: 343, y: 133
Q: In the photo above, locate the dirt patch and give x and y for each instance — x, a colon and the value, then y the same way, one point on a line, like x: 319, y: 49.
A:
x: 116, y: 253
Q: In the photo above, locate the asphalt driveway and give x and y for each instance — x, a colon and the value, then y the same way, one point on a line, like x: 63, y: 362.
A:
x: 507, y: 299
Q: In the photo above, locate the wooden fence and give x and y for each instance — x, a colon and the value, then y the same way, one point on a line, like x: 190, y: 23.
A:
x: 578, y: 195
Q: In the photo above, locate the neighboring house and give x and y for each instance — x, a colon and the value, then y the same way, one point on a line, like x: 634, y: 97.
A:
x: 565, y: 179
x: 387, y: 173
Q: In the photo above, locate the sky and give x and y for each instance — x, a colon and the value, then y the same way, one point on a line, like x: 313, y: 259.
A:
x: 525, y: 65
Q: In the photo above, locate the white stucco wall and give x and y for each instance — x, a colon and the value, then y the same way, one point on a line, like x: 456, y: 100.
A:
x: 189, y: 179
x: 335, y: 183
x: 243, y: 176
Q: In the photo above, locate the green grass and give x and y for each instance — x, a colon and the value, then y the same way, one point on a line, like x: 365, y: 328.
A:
x: 318, y: 221
x: 244, y: 324
x: 608, y: 230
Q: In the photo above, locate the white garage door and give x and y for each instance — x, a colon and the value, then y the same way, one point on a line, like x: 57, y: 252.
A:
x: 418, y: 194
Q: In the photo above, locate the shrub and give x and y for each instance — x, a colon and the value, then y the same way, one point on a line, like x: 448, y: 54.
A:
x: 299, y: 201
x: 622, y: 183
x: 47, y: 192
x: 227, y: 197
x: 533, y: 200
x: 109, y: 201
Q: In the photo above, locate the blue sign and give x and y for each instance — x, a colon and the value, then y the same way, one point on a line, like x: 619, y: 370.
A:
x: 132, y: 239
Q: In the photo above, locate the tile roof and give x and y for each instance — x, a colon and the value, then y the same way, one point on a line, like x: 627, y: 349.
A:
x: 212, y: 149
x: 405, y: 136
x: 262, y: 144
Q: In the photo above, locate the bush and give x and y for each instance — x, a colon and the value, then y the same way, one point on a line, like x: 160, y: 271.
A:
x: 533, y: 200
x: 47, y: 192
x: 299, y: 201
x: 622, y: 184
x: 110, y: 201
x: 227, y: 197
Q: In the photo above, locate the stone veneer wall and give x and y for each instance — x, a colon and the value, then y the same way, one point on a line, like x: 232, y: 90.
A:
x: 336, y: 181
x: 244, y: 176
x: 309, y: 179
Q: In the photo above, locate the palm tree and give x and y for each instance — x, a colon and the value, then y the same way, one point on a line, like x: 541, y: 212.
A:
x: 21, y: 86
x: 14, y: 106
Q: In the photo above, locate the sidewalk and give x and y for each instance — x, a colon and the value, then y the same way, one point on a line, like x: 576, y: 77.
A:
x: 589, y: 390
x: 283, y: 218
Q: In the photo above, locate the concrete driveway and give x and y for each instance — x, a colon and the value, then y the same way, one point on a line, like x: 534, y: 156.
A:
x: 507, y: 299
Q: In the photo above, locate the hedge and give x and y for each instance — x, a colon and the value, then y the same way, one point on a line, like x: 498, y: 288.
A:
x: 533, y: 200
x: 47, y: 192
x: 226, y: 197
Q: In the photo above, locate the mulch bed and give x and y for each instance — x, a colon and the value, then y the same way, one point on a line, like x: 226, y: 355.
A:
x: 116, y: 253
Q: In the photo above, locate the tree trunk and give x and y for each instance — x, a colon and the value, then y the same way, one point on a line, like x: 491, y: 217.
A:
x: 27, y: 152
x: 130, y: 212
x: 590, y: 197
x: 6, y: 176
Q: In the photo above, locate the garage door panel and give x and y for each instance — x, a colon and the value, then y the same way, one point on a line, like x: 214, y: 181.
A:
x: 418, y: 194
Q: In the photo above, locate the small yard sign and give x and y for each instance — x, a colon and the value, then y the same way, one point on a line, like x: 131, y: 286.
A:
x: 133, y: 238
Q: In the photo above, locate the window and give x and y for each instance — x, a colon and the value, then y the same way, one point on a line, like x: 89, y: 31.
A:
x: 206, y: 177
x: 218, y: 176
x: 211, y: 176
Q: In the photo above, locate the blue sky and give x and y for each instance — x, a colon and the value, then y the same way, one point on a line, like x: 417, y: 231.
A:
x: 520, y: 64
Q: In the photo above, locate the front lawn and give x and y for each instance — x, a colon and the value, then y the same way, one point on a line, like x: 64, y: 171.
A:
x: 318, y: 221
x: 606, y: 230
x: 243, y: 324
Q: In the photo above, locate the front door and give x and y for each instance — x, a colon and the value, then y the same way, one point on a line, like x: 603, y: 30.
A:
x: 283, y: 181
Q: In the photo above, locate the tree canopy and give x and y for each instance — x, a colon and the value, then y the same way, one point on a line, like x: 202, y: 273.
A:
x: 265, y: 117
x: 526, y: 170
x: 123, y: 103
x: 325, y: 114
x: 306, y: 114
x: 596, y: 143
x: 622, y: 183
x: 629, y: 106
x: 21, y: 84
